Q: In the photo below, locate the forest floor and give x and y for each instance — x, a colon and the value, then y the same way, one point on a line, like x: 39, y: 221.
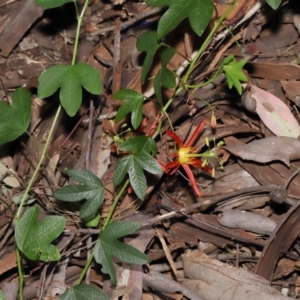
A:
x: 240, y: 240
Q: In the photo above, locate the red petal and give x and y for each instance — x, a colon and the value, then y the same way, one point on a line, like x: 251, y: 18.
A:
x: 192, y: 179
x: 207, y: 169
x: 175, y: 137
x: 195, y: 134
x: 197, y: 163
x: 164, y: 167
x: 173, y: 165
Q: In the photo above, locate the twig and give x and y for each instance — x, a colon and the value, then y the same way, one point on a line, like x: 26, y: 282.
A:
x: 102, y: 117
x: 216, y: 200
x: 89, y: 137
x: 130, y: 22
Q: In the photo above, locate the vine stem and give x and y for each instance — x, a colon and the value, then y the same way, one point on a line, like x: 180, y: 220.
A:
x: 198, y: 54
x: 30, y: 184
x: 79, y: 22
x: 107, y: 220
x: 44, y: 154
x: 194, y: 61
x: 206, y: 42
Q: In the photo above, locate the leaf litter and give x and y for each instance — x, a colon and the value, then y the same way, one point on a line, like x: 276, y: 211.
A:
x: 260, y: 157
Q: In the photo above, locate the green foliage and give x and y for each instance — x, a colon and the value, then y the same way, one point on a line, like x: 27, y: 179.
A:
x: 94, y: 222
x: 91, y: 189
x: 164, y: 77
x: 198, y: 12
x: 234, y: 73
x: 134, y: 163
x: 83, y: 292
x: 139, y: 144
x: 46, y: 4
x: 133, y: 104
x: 147, y: 42
x: 108, y: 246
x: 16, y: 118
x: 34, y: 238
x: 69, y: 79
x: 274, y: 3
x: 2, y: 296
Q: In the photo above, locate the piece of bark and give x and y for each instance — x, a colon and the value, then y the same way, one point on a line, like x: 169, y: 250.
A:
x: 27, y: 13
x: 213, y: 280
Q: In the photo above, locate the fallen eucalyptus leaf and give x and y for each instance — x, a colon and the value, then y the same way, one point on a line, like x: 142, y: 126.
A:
x: 246, y: 220
x: 272, y: 111
x: 268, y: 149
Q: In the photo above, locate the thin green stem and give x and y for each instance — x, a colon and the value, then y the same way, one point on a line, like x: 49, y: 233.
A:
x: 30, y: 184
x: 195, y: 59
x: 112, y: 209
x: 107, y: 220
x: 43, y: 155
x: 21, y: 280
x: 79, y: 22
x: 207, y: 41
x: 200, y: 85
x: 86, y: 267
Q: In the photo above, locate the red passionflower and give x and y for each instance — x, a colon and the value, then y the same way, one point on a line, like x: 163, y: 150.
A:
x: 186, y: 156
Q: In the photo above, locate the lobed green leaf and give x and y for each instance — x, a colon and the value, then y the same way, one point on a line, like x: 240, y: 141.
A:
x: 234, y: 73
x: 139, y: 144
x: 147, y: 42
x: 15, y: 119
x: 108, y: 246
x: 34, y: 238
x: 274, y: 3
x: 198, y: 12
x: 46, y: 4
x: 91, y: 189
x: 69, y: 79
x: 133, y: 165
x: 133, y: 103
x: 83, y: 292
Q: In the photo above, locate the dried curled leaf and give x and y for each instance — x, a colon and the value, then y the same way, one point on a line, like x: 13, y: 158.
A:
x: 270, y: 149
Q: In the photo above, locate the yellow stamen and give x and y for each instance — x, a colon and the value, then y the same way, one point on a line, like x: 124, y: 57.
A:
x: 185, y: 155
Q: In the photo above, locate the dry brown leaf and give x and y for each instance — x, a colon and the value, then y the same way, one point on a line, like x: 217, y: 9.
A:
x: 246, y: 220
x: 214, y: 280
x: 269, y: 149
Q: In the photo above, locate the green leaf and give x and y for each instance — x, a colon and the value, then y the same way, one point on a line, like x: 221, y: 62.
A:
x: 94, y: 222
x: 70, y: 79
x: 83, y: 292
x: 234, y: 73
x: 157, y: 85
x: 274, y: 3
x: 164, y: 78
x: 166, y: 56
x: 134, y: 164
x: 147, y: 42
x: 108, y: 246
x: 133, y: 103
x: 139, y: 144
x: 34, y: 238
x: 15, y: 119
x: 46, y: 4
x: 2, y: 297
x: 91, y: 189
x: 198, y: 12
